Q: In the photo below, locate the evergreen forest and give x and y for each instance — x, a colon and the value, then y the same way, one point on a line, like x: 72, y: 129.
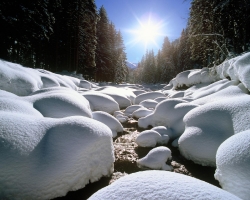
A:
x: 74, y: 36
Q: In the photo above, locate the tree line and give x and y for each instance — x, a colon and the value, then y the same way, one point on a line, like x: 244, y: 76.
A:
x: 216, y: 30
x: 59, y: 35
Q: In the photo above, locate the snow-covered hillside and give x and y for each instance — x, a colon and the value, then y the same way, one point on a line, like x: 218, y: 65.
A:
x: 131, y: 65
x: 56, y: 132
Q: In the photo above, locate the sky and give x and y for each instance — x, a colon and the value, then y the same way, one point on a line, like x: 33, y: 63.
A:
x: 145, y: 23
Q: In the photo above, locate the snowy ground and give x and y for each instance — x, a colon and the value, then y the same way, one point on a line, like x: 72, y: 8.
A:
x: 63, y: 132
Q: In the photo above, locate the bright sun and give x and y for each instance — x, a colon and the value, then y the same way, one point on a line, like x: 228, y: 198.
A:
x: 148, y: 32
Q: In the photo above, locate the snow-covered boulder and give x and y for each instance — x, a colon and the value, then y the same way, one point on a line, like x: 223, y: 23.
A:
x: 109, y: 120
x: 237, y: 69
x: 85, y: 84
x: 137, y: 92
x: 148, y: 95
x: 43, y: 158
x: 129, y: 110
x: 59, y: 102
x: 156, y: 159
x: 141, y: 112
x: 160, y: 99
x: 149, y: 103
x: 164, y: 131
x: 232, y: 162
x: 22, y: 80
x: 122, y: 100
x: 209, y: 125
x: 101, y: 102
x: 150, y: 138
x: 156, y: 184
x: 122, y: 118
x: 168, y: 113
x: 192, y: 77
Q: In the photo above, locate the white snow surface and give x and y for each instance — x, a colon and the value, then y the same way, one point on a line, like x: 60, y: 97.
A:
x: 164, y: 131
x: 148, y: 95
x: 156, y: 184
x: 23, y: 81
x: 232, y: 162
x: 209, y: 125
x: 149, y: 103
x: 101, y: 102
x: 156, y: 159
x: 43, y: 158
x: 141, y: 112
x: 168, y: 113
x: 150, y: 138
x: 109, y: 120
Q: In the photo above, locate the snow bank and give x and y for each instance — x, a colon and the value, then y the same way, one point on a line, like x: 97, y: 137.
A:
x: 23, y: 81
x: 237, y: 69
x: 148, y: 95
x: 209, y: 125
x: 150, y: 138
x: 156, y: 159
x: 43, y: 158
x: 155, y: 184
x: 168, y: 113
x: 232, y: 162
x: 109, y: 120
x: 101, y: 102
x: 192, y: 77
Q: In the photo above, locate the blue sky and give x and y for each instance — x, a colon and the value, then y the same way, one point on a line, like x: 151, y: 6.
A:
x: 170, y: 16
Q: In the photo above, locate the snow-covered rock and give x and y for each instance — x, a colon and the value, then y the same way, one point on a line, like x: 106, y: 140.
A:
x: 149, y: 103
x: 232, y: 162
x: 129, y: 110
x: 160, y: 99
x: 85, y: 84
x: 57, y: 102
x: 155, y: 184
x: 43, y: 158
x: 109, y: 120
x: 101, y: 102
x: 168, y: 113
x: 22, y: 81
x: 121, y: 118
x: 164, y: 131
x: 150, y: 138
x: 148, y: 95
x: 156, y: 159
x: 141, y: 112
x: 209, y: 125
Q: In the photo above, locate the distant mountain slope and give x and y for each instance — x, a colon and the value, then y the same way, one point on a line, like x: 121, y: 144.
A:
x: 131, y: 65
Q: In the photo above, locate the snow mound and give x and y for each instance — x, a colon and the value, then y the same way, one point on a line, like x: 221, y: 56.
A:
x: 168, y: 113
x: 149, y: 103
x: 237, y: 69
x: 148, y: 95
x: 155, y: 184
x: 156, y: 159
x: 85, y: 84
x: 160, y: 99
x: 121, y: 118
x: 58, y: 103
x: 129, y: 110
x: 141, y: 112
x: 101, y: 102
x: 192, y: 77
x: 232, y: 162
x: 137, y: 92
x: 109, y: 120
x: 122, y: 100
x: 209, y: 125
x: 150, y: 138
x: 43, y: 158
x: 23, y: 81
x: 164, y: 131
